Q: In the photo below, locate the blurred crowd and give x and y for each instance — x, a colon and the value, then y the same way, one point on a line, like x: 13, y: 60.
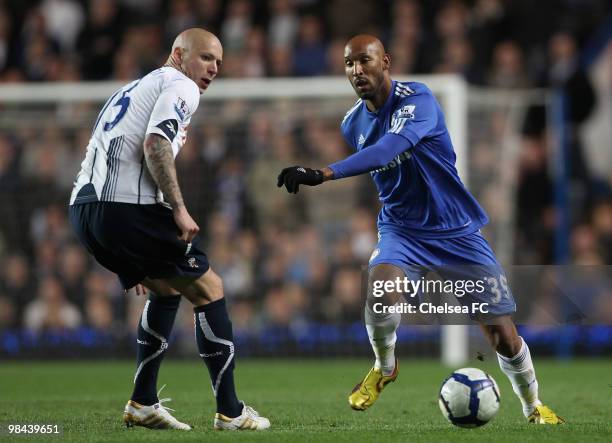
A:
x: 494, y: 42
x: 282, y: 257
x: 286, y: 260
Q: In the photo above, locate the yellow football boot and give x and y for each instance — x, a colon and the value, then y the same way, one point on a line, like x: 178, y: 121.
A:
x: 365, y: 393
x: 543, y: 415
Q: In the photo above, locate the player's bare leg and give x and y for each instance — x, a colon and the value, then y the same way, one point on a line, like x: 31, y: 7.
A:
x: 214, y: 338
x: 381, y: 332
x: 515, y: 361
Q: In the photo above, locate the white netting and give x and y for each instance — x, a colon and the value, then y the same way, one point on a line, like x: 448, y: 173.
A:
x: 285, y: 261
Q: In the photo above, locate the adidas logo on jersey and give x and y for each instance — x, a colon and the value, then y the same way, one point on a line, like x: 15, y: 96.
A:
x: 170, y: 128
x: 402, y: 90
x: 361, y: 140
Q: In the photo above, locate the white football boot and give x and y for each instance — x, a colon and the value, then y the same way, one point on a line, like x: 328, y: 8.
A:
x: 153, y: 417
x: 248, y: 420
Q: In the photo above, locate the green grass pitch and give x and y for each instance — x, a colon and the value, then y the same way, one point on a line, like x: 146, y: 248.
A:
x: 304, y: 399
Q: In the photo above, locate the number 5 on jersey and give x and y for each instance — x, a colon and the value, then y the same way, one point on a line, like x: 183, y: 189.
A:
x: 124, y: 103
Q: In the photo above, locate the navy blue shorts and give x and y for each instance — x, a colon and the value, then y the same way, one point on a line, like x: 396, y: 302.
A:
x: 136, y: 241
x: 467, y: 261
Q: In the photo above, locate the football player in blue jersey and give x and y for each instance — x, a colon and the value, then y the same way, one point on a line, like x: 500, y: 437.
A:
x: 428, y: 221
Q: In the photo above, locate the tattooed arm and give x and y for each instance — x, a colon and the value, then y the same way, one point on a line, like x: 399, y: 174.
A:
x: 160, y: 162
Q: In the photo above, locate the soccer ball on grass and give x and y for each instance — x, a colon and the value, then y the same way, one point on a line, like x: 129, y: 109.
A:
x: 469, y: 398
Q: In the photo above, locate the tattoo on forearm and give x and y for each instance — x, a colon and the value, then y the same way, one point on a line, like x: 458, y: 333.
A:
x: 160, y: 161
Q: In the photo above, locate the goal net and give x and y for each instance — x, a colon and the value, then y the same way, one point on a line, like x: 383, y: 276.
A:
x: 292, y: 265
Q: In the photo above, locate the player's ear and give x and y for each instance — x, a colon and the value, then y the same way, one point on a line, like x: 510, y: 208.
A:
x: 177, y: 54
x: 386, y: 61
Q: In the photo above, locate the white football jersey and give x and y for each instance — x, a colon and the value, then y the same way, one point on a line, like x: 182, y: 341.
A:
x: 114, y: 169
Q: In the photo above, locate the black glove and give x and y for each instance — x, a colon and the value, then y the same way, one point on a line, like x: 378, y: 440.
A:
x: 295, y: 176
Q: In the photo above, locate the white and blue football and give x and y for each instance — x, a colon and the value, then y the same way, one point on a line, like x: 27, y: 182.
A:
x: 469, y: 398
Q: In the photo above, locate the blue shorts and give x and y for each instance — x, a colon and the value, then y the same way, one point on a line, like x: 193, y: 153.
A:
x: 136, y: 241
x: 468, y: 258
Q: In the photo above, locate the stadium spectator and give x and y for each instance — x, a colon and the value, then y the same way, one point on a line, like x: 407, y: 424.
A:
x: 236, y: 26
x: 72, y: 271
x: 209, y: 14
x: 195, y: 172
x: 534, y: 203
x: 10, y: 186
x: 244, y: 318
x: 283, y: 23
x: 50, y: 311
x: 5, y: 34
x: 309, y: 54
x: 335, y: 52
x: 281, y: 147
x: 508, y: 69
x: 145, y: 41
x: 344, y: 302
x: 602, y: 225
x: 406, y: 38
x: 457, y: 58
x: 362, y: 234
x: 584, y: 246
x: 64, y: 20
x: 8, y: 313
x: 180, y: 16
x: 283, y: 306
x: 125, y: 66
x: 17, y: 282
x: 99, y: 39
x: 99, y: 312
x: 565, y: 74
x: 147, y: 9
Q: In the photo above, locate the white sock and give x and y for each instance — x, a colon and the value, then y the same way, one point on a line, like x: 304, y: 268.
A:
x: 519, y: 369
x: 381, y: 331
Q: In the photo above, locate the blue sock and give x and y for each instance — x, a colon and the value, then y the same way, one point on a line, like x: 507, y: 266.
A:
x: 153, y: 332
x: 216, y: 345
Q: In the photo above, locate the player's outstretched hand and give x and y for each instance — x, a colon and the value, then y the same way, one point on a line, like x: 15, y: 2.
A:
x: 295, y: 176
x: 188, y: 227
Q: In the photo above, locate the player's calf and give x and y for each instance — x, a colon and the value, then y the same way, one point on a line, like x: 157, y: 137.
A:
x: 515, y: 361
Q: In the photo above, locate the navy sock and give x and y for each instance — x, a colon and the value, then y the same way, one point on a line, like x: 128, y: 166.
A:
x: 154, y: 330
x: 216, y: 345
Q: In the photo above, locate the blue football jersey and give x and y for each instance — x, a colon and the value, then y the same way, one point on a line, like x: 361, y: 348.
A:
x: 420, y: 189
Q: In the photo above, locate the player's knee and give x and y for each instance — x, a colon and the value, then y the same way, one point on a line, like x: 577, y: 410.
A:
x: 382, y: 287
x: 215, y: 287
x: 210, y: 286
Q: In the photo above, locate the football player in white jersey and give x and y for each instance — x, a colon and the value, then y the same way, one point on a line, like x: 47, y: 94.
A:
x: 127, y: 209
